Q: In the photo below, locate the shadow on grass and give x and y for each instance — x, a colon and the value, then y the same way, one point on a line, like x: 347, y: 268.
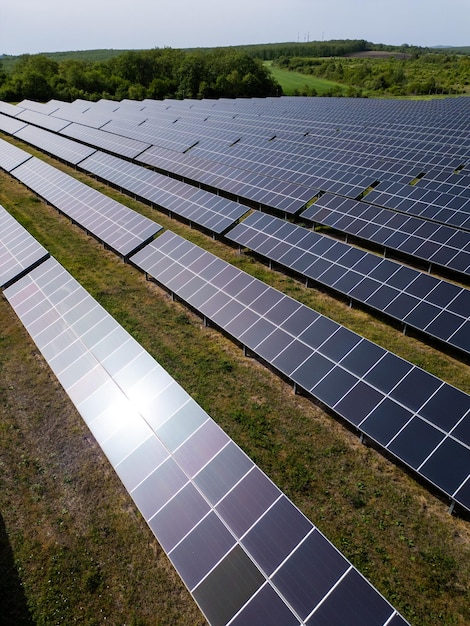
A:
x: 13, y: 606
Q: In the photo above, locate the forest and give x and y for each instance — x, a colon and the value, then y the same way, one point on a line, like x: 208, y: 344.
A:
x: 432, y: 73
x: 354, y: 68
x: 157, y: 73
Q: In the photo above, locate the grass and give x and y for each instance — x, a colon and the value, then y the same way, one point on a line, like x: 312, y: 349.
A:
x: 295, y: 82
x: 80, y: 549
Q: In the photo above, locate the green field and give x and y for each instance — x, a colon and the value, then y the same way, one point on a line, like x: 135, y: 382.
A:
x: 293, y: 83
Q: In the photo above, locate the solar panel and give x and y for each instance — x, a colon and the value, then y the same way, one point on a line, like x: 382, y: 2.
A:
x: 444, y: 208
x: 97, y: 138
x: 405, y: 294
x: 440, y: 245
x: 284, y: 196
x: 168, y: 137
x: 10, y: 109
x: 45, y: 108
x: 19, y: 251
x: 117, y: 226
x: 179, y: 198
x: 10, y: 125
x: 244, y: 551
x: 11, y: 156
x: 60, y: 147
x: 333, y: 364
x: 86, y: 117
x: 42, y: 120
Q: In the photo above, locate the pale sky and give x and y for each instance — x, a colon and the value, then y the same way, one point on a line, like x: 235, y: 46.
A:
x: 32, y: 26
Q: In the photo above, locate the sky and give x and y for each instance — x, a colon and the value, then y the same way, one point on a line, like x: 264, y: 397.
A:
x: 32, y: 26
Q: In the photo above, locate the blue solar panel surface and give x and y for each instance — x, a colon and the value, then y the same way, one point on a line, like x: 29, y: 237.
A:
x: 385, y: 397
x: 434, y: 306
x: 439, y: 244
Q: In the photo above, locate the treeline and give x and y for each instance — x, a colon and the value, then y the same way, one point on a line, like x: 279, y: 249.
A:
x: 157, y: 73
x: 428, y: 74
x: 331, y: 48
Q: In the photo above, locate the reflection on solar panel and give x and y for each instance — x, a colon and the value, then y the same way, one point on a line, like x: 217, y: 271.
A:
x: 118, y: 227
x: 241, y: 547
x: 19, y: 251
x: 11, y: 156
x: 196, y: 205
x: 438, y: 244
x: 393, y: 402
x: 60, y: 147
x: 435, y: 307
x: 444, y: 208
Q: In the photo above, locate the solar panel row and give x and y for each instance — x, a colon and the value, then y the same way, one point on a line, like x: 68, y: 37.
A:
x: 11, y: 156
x: 396, y: 404
x: 350, y: 184
x: 10, y: 125
x: 19, y: 251
x: 303, y: 149
x: 435, y: 243
x: 45, y: 121
x: 117, y: 226
x: 392, y: 402
x: 442, y: 181
x: 244, y: 551
x: 436, y: 307
x: 285, y: 196
x: 65, y: 149
x: 281, y: 195
x: 444, y: 208
x: 196, y: 205
x: 200, y: 207
x: 97, y: 138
